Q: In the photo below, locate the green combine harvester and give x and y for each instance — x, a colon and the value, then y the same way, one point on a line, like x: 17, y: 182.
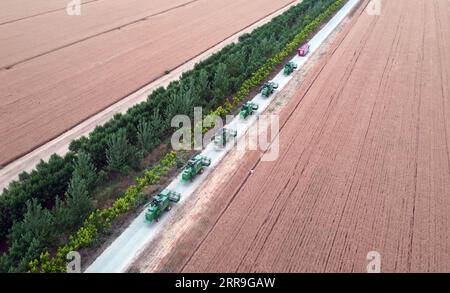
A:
x: 268, y: 88
x: 248, y: 109
x: 194, y: 167
x: 160, y: 203
x: 223, y: 136
x: 289, y: 68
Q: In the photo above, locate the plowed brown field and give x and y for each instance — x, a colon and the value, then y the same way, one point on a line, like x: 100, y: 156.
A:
x: 57, y: 70
x: 364, y: 161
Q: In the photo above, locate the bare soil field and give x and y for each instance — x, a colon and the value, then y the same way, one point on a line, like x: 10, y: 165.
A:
x: 57, y: 30
x: 58, y: 70
x: 364, y: 162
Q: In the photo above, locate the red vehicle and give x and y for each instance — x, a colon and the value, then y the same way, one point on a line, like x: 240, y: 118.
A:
x: 303, y: 50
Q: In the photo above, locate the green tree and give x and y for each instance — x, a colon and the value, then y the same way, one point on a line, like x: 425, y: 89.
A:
x: 221, y: 82
x: 70, y: 214
x: 5, y: 264
x: 158, y: 126
x: 61, y: 217
x: 30, y: 236
x: 235, y: 64
x: 266, y: 48
x: 145, y: 136
x: 236, y: 70
x: 85, y: 169
x: 255, y: 60
x: 181, y: 103
x: 120, y: 154
x: 78, y: 200
x: 203, y: 86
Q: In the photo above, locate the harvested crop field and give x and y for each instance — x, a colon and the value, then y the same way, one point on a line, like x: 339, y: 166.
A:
x: 57, y: 70
x: 364, y: 161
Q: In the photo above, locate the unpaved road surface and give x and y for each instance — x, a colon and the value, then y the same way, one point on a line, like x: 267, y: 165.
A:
x: 58, y: 70
x: 364, y: 162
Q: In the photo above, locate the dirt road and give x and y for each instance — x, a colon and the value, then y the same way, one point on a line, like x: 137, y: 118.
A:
x: 364, y: 162
x: 59, y: 70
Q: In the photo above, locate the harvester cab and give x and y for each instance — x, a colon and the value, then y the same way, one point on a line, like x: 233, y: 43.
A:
x: 248, y: 109
x: 194, y: 167
x: 160, y: 203
x: 268, y: 88
x: 289, y: 68
x: 223, y: 136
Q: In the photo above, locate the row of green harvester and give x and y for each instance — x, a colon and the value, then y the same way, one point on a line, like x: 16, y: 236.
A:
x: 196, y: 165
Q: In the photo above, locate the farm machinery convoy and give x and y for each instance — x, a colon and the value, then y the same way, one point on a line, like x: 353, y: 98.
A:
x: 195, y: 166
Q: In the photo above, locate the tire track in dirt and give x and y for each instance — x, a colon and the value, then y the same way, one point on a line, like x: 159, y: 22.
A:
x: 432, y: 148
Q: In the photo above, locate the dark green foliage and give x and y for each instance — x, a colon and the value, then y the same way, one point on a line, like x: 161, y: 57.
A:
x: 145, y: 136
x: 221, y: 82
x: 180, y: 103
x: 85, y: 169
x: 120, y: 154
x: 44, y: 184
x: 28, y: 238
x: 71, y: 213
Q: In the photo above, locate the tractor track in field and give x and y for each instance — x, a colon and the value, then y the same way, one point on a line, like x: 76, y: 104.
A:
x: 363, y: 166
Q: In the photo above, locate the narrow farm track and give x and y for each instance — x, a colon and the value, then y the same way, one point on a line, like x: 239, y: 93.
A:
x: 364, y: 161
x: 61, y: 70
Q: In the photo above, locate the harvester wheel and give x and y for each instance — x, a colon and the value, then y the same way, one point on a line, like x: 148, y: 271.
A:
x: 169, y: 207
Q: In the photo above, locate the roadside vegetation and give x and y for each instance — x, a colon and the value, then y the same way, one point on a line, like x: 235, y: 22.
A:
x: 52, y: 210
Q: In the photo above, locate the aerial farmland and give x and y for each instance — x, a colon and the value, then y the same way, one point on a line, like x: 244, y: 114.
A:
x: 207, y: 136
